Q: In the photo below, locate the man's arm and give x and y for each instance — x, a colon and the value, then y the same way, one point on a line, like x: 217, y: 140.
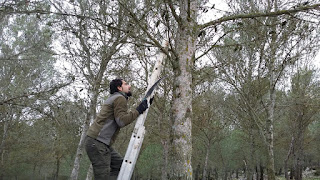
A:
x: 121, y: 114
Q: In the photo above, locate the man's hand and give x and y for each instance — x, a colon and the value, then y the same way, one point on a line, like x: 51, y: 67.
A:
x: 151, y: 100
x: 142, y: 106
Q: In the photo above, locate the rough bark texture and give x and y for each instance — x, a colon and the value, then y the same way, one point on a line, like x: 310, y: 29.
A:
x: 250, y: 171
x: 182, y: 103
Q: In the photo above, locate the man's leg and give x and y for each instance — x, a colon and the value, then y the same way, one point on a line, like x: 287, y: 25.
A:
x: 100, y: 157
x: 116, y: 162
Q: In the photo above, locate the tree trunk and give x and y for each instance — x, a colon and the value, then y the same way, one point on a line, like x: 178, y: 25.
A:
x: 237, y: 174
x: 286, y: 175
x: 291, y: 173
x: 56, y: 177
x: 79, y: 154
x: 216, y: 174
x: 269, y: 133
x: 90, y: 173
x: 182, y: 92
x: 76, y: 166
x: 197, y: 172
x: 270, y: 111
x: 205, y: 167
x: 251, y: 159
x: 298, y: 152
x: 261, y: 172
x: 271, y: 61
x: 225, y: 174
x: 164, y: 168
x: 4, y: 136
x: 2, y: 165
x: 91, y: 114
x: 209, y: 172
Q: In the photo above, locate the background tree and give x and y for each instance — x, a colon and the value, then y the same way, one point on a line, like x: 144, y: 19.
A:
x: 209, y: 124
x: 28, y: 79
x: 304, y: 104
x: 270, y: 52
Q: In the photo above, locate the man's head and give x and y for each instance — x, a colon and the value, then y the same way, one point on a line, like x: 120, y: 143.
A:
x: 119, y: 85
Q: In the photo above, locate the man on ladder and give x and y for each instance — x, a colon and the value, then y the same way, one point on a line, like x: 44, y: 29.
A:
x: 114, y: 114
x: 106, y: 162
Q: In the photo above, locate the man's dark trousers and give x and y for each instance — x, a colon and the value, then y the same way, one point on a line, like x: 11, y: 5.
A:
x: 106, y: 162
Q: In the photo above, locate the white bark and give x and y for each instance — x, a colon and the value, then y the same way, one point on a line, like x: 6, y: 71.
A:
x: 270, y: 110
x: 90, y: 173
x: 182, y: 103
x: 269, y: 136
x: 79, y: 154
x: 90, y: 116
x: 271, y: 101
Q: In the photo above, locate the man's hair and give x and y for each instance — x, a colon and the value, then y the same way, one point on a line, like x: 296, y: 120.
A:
x: 114, y: 84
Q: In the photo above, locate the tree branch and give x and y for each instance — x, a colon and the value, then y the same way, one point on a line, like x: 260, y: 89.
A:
x: 214, y: 45
x: 7, y: 101
x: 39, y: 11
x: 254, y: 15
x: 173, y: 11
x: 145, y: 30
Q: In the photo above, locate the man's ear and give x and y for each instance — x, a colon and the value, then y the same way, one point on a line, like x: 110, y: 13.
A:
x: 119, y: 88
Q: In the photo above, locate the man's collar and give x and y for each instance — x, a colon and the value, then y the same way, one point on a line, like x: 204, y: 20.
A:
x: 124, y: 94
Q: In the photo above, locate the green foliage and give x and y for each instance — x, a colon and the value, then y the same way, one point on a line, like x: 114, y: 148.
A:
x: 36, y: 146
x: 149, y: 161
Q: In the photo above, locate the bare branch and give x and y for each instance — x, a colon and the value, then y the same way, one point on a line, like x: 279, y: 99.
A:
x: 213, y: 46
x: 38, y: 11
x: 173, y: 11
x: 145, y: 30
x: 254, y: 15
x: 52, y: 89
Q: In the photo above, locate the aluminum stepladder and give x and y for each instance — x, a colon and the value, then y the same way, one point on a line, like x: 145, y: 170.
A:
x: 138, y: 133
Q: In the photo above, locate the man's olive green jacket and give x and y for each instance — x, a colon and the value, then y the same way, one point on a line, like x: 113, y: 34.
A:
x: 112, y: 116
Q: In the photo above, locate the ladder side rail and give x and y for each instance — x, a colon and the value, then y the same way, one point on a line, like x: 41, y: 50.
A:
x: 135, y: 143
x: 132, y: 159
x: 153, y: 78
